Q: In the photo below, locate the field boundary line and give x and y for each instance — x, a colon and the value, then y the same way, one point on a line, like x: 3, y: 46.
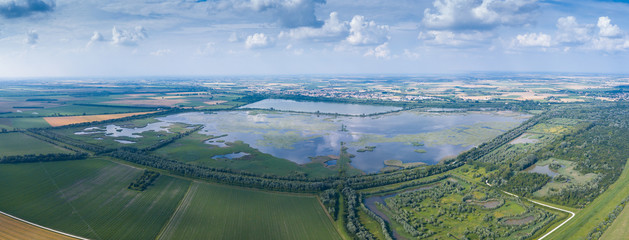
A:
x: 179, y: 206
x: 42, y: 227
x: 329, y: 217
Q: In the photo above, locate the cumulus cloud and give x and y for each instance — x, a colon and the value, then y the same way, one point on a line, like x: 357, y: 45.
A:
x: 31, y: 37
x: 572, y: 35
x: 569, y: 31
x: 258, y: 40
x: 454, y: 39
x: 478, y: 15
x: 128, y: 37
x: 332, y: 29
x: 533, y: 40
x: 22, y: 8
x: 208, y: 49
x: 381, y: 51
x: 364, y: 32
x: 606, y: 29
x: 96, y: 37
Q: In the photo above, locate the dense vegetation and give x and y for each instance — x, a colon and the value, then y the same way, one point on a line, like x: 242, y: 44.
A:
x: 43, y: 157
x: 143, y: 181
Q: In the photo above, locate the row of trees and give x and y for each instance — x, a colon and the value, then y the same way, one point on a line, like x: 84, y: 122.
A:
x: 144, y: 181
x: 43, y: 157
x: 218, y: 175
x: 353, y: 224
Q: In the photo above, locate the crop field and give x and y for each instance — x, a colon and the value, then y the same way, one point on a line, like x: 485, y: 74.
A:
x: 225, y: 212
x: 11, y: 229
x: 62, y: 121
x: 597, y: 211
x: 192, y: 149
x: 75, y: 110
x: 89, y: 198
x: 22, y: 123
x: 15, y: 143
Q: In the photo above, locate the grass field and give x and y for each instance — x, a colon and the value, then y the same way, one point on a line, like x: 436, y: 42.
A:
x: 62, y: 121
x: 89, y: 198
x: 596, y: 211
x: 11, y: 229
x: 211, y: 211
x: 75, y: 110
x: 16, y: 143
x: 22, y: 123
x: 193, y: 149
x: 620, y: 228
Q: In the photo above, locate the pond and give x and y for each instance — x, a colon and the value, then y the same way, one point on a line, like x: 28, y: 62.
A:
x: 545, y: 169
x: 298, y: 136
x: 231, y: 155
x: 322, y: 107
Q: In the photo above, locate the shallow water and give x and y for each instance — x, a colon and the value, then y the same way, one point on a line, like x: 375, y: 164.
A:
x: 296, y: 136
x: 323, y: 107
x: 542, y: 169
x: 231, y: 155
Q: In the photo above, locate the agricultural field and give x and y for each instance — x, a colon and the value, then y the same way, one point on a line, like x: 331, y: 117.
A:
x: 16, y: 143
x: 89, y: 198
x: 22, y: 123
x: 194, y: 149
x: 12, y: 229
x: 70, y: 109
x: 62, y: 121
x: 225, y: 212
x: 459, y: 209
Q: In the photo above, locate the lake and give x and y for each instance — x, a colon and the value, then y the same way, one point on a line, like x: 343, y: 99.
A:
x: 408, y: 136
x: 322, y: 107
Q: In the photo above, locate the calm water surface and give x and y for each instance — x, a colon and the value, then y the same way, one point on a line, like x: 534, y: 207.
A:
x: 296, y: 136
x: 323, y: 107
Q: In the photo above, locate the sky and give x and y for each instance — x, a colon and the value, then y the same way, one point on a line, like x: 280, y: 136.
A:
x: 117, y: 38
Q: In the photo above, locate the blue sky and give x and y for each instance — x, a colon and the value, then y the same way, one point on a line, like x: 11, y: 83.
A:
x: 40, y: 38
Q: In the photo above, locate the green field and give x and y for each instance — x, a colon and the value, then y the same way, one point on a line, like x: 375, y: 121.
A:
x: 22, y: 123
x: 74, y: 110
x: 88, y: 198
x: 596, y: 211
x: 16, y: 143
x: 620, y: 228
x: 211, y: 211
x: 192, y: 149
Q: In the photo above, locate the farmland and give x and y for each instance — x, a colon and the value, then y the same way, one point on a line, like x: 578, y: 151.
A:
x: 11, y: 229
x: 15, y: 143
x: 62, y: 121
x: 225, y: 212
x: 88, y: 198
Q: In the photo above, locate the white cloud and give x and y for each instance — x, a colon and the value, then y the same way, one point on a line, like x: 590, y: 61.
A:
x: 364, y: 32
x: 381, y: 51
x: 410, y: 54
x: 258, y: 40
x: 456, y: 39
x: 569, y: 31
x: 533, y: 40
x: 332, y: 29
x: 96, y: 37
x: 288, y: 13
x: 478, y: 15
x: 607, y: 29
x: 161, y: 52
x: 31, y: 37
x: 234, y: 38
x: 208, y: 49
x: 128, y: 37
